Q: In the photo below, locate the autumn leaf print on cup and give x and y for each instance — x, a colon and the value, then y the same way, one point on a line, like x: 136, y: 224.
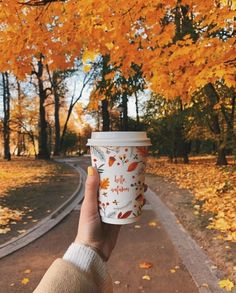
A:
x: 120, y: 158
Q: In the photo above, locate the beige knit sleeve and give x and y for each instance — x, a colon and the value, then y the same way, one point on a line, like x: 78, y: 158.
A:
x: 80, y: 271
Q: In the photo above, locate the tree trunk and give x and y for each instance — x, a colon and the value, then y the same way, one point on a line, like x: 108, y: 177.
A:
x: 19, y: 134
x: 125, y: 112
x: 56, y: 117
x: 221, y: 157
x: 65, y: 127
x: 213, y: 98
x: 6, y: 119
x: 43, y: 136
x: 105, y: 116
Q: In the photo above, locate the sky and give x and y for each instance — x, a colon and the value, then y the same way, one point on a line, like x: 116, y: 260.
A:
x: 77, y: 79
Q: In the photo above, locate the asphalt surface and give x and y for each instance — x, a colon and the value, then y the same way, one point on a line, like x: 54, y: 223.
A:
x: 137, y: 243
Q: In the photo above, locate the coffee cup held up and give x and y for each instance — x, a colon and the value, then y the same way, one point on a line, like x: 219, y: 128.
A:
x: 120, y: 158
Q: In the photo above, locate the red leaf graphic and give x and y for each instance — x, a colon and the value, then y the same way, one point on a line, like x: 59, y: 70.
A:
x: 111, y: 161
x: 125, y: 215
x: 139, y: 197
x: 119, y: 215
x: 132, y: 166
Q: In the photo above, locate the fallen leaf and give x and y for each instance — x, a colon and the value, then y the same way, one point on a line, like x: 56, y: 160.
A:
x: 172, y: 271
x: 177, y: 267
x: 145, y: 265
x: 12, y: 284
x: 205, y: 285
x: 117, y: 282
x: 152, y: 224
x: 27, y: 271
x: 137, y: 226
x: 25, y: 281
x: 146, y: 277
x: 21, y: 231
x: 226, y: 284
x: 4, y: 230
x: 234, y: 268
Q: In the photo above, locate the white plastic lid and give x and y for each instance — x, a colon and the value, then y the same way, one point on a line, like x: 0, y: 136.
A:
x: 119, y: 138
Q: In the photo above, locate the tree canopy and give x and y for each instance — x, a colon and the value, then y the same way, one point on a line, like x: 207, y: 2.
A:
x: 180, y: 45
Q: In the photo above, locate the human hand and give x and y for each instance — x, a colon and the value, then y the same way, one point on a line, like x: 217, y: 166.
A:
x: 91, y: 231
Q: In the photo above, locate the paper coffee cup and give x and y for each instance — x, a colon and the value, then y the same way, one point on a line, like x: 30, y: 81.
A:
x: 120, y: 158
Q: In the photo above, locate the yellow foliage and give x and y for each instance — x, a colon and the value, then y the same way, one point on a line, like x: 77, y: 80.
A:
x: 214, y: 190
x: 226, y: 284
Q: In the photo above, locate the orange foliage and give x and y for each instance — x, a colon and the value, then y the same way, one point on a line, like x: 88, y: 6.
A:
x: 130, y: 31
x: 214, y: 190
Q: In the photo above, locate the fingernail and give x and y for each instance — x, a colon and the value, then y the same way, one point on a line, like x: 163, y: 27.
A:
x: 90, y: 171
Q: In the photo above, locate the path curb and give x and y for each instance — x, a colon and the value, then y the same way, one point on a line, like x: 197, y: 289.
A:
x: 194, y: 258
x: 50, y: 221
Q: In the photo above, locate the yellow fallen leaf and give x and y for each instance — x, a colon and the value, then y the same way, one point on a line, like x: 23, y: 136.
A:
x: 27, y: 271
x: 146, y: 277
x: 145, y: 265
x: 152, y: 224
x: 25, y: 281
x: 226, y: 284
x: 196, y: 213
x: 234, y: 268
x: 21, y: 231
x: 172, y: 271
x: 4, y: 230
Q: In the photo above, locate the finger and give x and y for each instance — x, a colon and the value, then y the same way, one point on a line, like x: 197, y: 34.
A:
x: 91, y: 187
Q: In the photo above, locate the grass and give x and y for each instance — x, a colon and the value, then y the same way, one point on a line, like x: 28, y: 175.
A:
x: 30, y: 190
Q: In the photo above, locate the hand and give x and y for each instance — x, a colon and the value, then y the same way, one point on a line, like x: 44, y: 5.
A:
x: 92, y: 232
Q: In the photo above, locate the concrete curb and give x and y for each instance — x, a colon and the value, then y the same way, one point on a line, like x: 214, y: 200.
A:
x: 194, y: 258
x: 48, y: 222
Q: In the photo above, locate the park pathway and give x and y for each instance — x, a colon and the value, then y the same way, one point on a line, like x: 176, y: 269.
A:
x: 145, y: 241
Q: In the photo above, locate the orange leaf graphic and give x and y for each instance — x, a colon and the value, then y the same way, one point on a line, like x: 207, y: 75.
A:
x: 104, y: 184
x: 142, y: 151
x: 111, y: 161
x: 132, y: 166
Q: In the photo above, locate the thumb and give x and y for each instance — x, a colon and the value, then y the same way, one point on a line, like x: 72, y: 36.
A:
x: 91, y: 186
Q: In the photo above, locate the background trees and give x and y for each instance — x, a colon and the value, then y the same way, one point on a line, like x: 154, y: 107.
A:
x: 179, y: 50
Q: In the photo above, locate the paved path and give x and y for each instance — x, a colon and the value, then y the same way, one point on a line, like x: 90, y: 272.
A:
x: 135, y: 244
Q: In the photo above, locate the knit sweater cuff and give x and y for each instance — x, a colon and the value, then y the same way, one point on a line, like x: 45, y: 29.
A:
x: 88, y: 261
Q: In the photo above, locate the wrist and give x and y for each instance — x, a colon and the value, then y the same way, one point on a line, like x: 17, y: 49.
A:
x: 89, y: 262
x: 91, y: 246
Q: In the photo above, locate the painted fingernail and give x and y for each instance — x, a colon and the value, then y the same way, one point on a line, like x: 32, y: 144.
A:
x: 90, y: 171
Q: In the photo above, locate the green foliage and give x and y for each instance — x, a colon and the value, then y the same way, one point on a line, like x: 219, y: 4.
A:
x: 70, y: 142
